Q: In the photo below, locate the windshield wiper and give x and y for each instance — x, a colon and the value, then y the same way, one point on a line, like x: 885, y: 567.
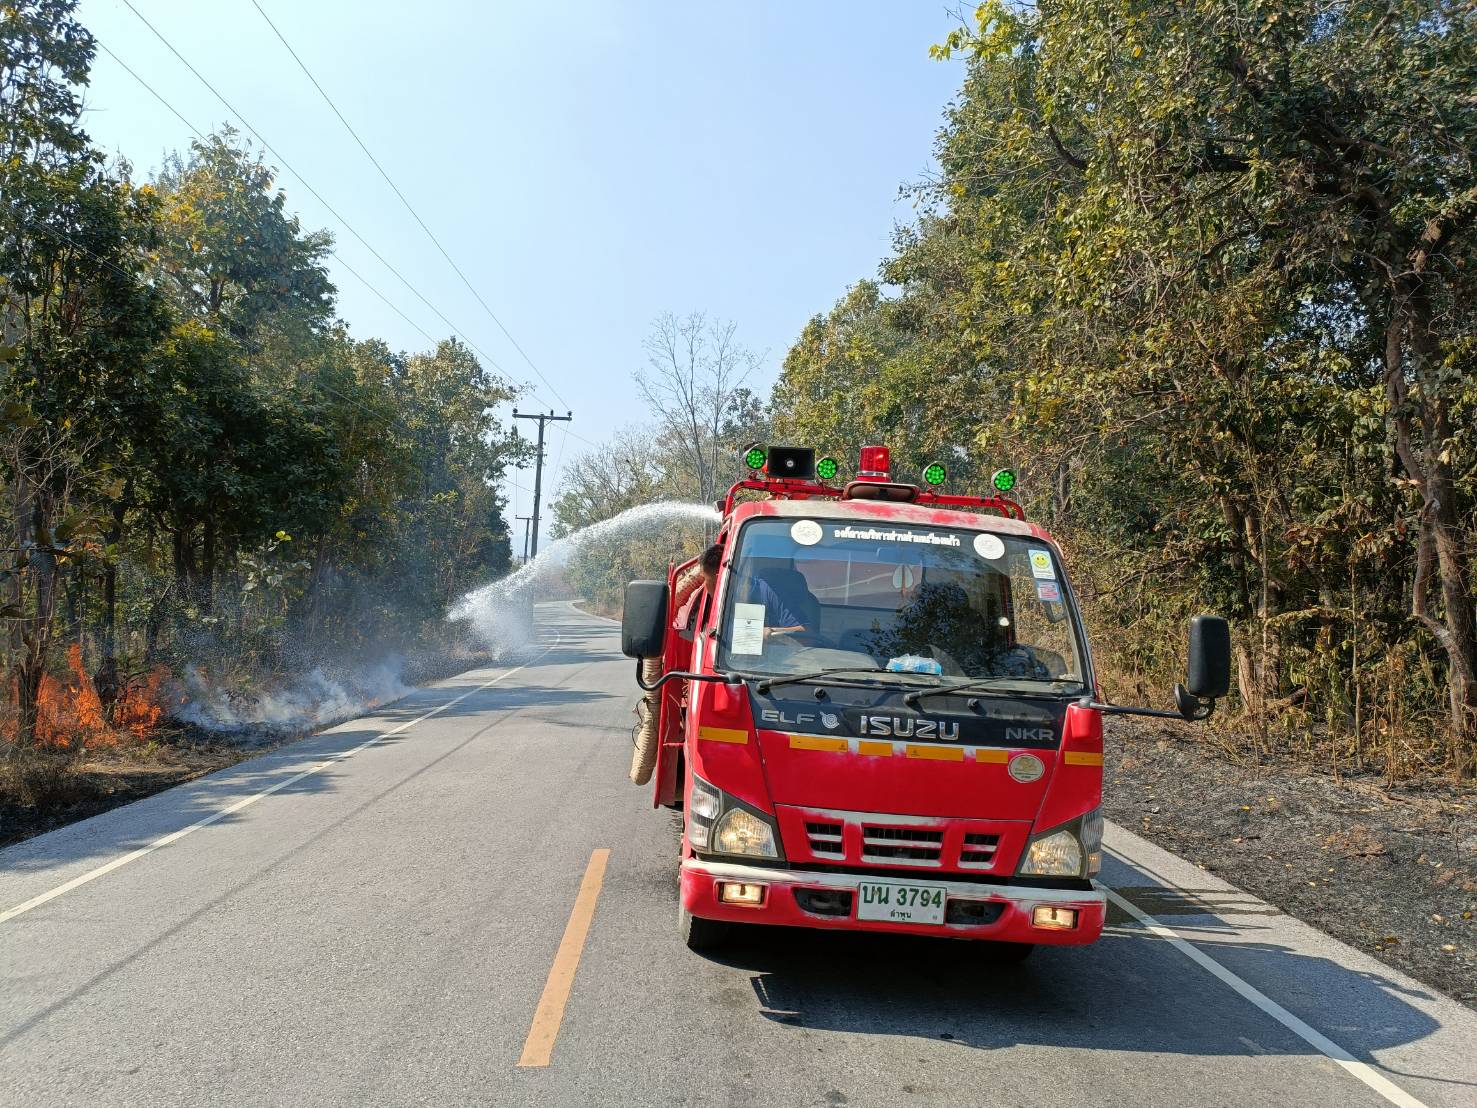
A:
x: 978, y: 684
x: 770, y: 682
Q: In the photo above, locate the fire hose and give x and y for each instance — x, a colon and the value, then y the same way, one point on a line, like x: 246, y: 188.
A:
x: 646, y: 735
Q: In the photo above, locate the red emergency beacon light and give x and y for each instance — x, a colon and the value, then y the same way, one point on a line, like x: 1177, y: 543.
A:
x: 873, y: 703
x: 876, y: 464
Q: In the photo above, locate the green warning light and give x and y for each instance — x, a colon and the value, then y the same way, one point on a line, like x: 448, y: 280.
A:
x: 826, y: 468
x: 754, y: 457
x: 935, y: 474
x: 1004, y: 480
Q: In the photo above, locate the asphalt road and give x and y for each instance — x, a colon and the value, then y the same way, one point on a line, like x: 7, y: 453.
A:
x: 394, y: 927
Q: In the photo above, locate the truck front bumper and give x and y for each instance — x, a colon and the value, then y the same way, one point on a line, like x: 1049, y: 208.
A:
x: 802, y: 898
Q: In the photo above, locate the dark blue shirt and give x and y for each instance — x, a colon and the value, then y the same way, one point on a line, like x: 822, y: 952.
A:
x: 776, y: 612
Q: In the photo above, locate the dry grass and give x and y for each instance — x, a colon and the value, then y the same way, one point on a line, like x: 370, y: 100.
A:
x: 1356, y: 841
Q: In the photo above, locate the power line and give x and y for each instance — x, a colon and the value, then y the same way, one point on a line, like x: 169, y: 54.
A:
x: 332, y: 253
x: 307, y: 185
x: 316, y: 381
x: 408, y: 206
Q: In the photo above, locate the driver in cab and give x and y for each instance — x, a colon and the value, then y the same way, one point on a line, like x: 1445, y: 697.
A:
x: 779, y: 617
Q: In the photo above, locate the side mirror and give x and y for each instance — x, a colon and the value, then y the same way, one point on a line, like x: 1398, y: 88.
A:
x: 644, y: 619
x: 1209, y: 675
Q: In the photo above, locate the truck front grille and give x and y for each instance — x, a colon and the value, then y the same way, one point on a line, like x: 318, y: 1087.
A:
x: 894, y: 844
x: 885, y: 841
x: 825, y: 839
x: 978, y: 851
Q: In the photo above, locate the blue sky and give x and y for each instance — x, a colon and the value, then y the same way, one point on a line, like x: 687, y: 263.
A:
x: 587, y: 165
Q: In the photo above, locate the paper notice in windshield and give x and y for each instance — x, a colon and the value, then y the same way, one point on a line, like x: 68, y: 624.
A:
x: 1048, y: 591
x: 1041, y: 567
x: 748, y: 629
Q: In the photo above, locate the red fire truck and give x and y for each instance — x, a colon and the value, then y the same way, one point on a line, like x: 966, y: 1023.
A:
x: 876, y: 711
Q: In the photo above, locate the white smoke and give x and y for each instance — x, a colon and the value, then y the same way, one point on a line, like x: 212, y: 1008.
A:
x: 501, y: 613
x: 301, y: 703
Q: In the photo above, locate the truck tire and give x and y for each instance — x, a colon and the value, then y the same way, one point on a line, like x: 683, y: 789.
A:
x: 703, y: 935
x: 648, y: 716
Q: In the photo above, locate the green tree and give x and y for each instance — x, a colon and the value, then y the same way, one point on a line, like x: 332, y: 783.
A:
x: 78, y: 312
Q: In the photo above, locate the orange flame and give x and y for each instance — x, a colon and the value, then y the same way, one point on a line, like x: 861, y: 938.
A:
x: 69, y: 712
x: 140, y: 704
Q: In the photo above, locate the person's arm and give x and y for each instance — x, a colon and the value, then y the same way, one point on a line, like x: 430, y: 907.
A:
x: 785, y: 622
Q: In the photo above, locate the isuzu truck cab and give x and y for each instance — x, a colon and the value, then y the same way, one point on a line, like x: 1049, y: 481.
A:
x: 877, y: 711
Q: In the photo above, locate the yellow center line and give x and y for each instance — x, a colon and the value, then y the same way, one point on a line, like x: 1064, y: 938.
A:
x: 538, y: 1048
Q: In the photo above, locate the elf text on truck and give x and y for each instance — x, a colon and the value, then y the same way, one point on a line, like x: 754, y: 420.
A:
x: 879, y: 713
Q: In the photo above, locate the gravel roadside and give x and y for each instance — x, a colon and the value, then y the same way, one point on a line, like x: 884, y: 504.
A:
x: 1390, y: 870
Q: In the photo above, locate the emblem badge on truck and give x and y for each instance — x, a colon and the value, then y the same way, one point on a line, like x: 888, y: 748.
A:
x: 908, y: 728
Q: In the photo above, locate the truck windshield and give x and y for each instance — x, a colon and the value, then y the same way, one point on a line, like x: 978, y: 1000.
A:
x: 811, y: 594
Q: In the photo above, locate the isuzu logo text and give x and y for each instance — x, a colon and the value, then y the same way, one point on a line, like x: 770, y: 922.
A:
x: 908, y: 728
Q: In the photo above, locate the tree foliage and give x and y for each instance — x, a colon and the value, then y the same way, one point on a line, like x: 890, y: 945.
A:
x: 1206, y: 272
x: 196, y: 454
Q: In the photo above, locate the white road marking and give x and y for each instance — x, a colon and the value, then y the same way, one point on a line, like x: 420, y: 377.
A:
x: 231, y: 809
x: 1318, y: 1041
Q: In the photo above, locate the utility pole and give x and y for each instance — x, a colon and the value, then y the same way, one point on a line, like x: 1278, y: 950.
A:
x: 538, y: 473
x: 525, y: 520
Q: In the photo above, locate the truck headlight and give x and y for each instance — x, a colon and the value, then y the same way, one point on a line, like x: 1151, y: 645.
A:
x: 1055, y: 854
x: 1075, y: 849
x: 742, y: 832
x: 719, y: 824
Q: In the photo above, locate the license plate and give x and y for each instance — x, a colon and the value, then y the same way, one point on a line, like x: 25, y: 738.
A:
x: 900, y: 902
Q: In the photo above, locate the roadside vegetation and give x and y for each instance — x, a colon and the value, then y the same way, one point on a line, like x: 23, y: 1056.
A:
x: 1205, y: 277
x: 208, y: 482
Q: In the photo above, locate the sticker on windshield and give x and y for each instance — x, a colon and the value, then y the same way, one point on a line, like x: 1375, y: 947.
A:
x: 807, y: 532
x: 989, y: 546
x: 876, y: 534
x: 748, y: 629
x: 1041, y: 567
x: 1048, y: 590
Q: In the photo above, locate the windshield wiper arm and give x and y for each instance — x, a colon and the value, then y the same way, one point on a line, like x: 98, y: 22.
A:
x: 770, y: 682
x: 981, y: 684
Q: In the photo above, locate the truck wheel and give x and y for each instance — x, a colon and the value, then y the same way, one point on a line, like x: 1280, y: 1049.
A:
x: 702, y: 935
x: 1007, y: 954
